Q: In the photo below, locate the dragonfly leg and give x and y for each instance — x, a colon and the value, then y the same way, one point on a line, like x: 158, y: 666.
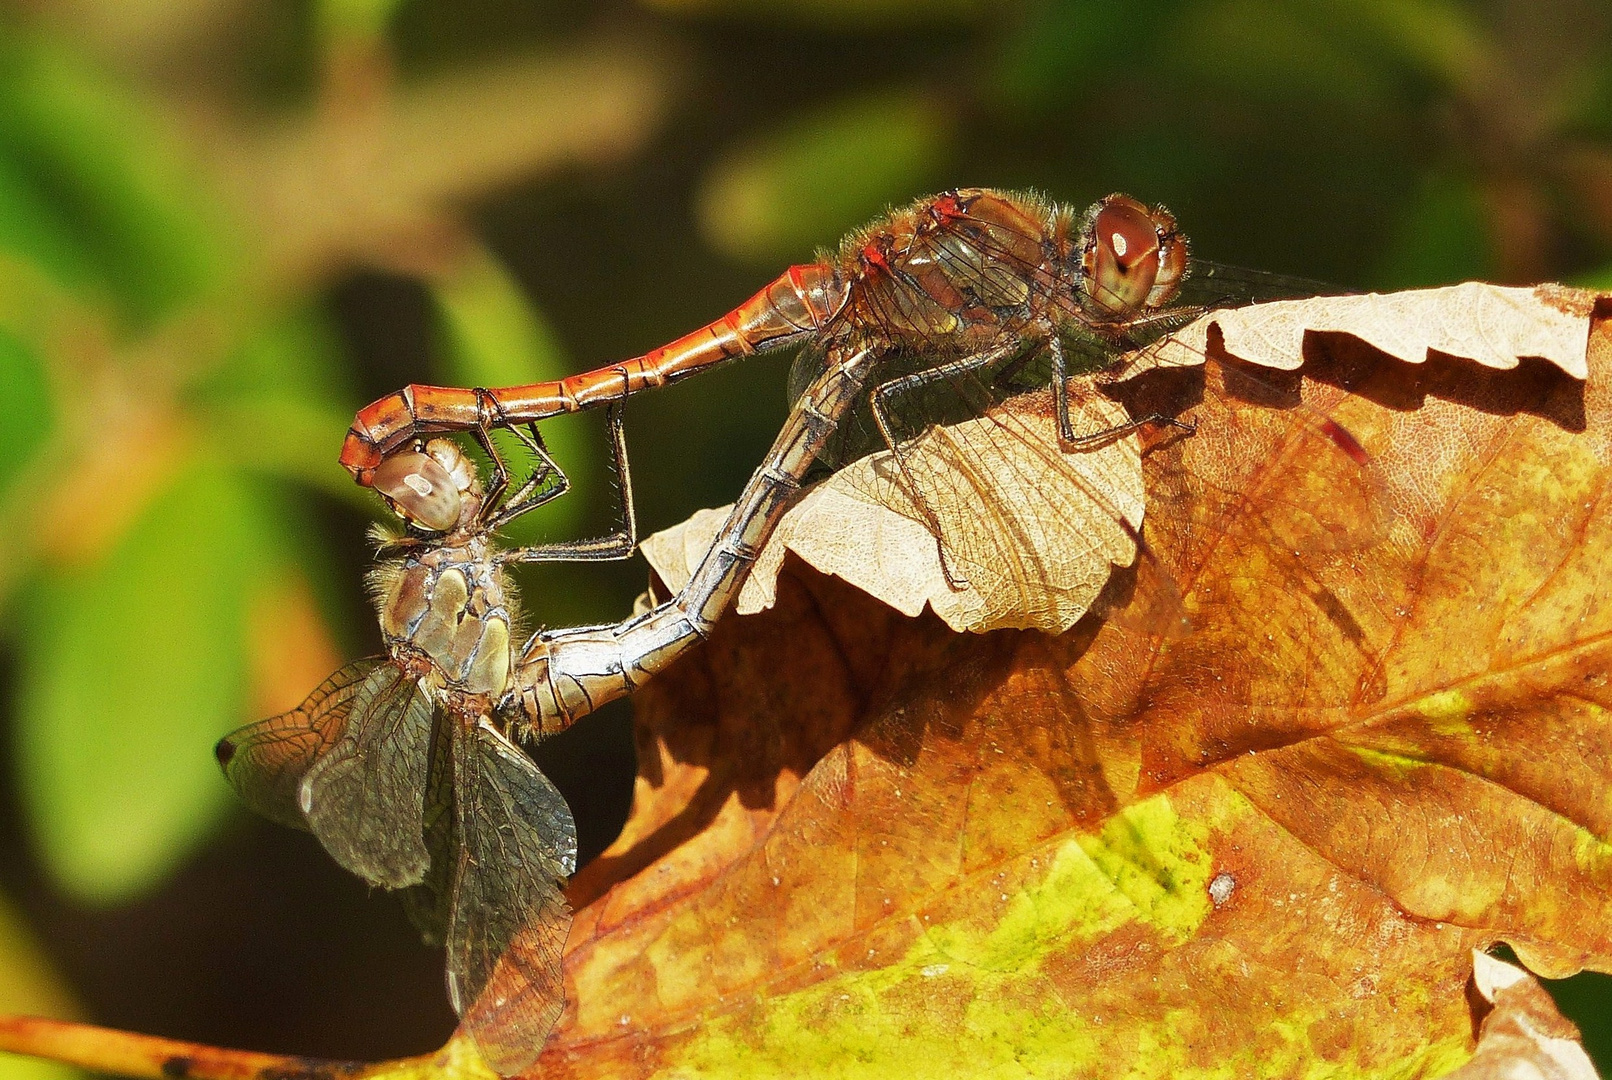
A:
x: 1161, y: 321
x: 616, y: 545
x: 487, y: 405
x: 532, y: 493
x: 530, y: 497
x: 1092, y: 440
x: 1060, y: 389
x: 879, y: 399
x: 1136, y: 336
x: 496, y: 510
x: 562, y: 675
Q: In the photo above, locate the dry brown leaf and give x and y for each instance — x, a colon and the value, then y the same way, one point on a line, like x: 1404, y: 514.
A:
x: 1034, y: 530
x: 1524, y: 1037
x: 866, y: 845
x: 1492, y: 324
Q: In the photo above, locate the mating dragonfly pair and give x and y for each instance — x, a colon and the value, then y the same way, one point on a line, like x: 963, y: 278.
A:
x: 408, y: 766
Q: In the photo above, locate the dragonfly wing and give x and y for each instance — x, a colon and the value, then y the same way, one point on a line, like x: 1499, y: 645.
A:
x: 510, y: 920
x: 266, y: 761
x: 1216, y: 285
x: 365, y: 797
x: 429, y: 903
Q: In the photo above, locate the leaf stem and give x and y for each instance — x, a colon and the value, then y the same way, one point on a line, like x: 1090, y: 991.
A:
x: 125, y: 1053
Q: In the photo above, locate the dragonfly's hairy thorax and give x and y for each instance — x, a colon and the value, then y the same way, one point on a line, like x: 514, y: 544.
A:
x: 958, y: 273
x: 451, y: 605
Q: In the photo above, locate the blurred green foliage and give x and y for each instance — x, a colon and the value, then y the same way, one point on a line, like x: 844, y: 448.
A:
x: 779, y: 196
x: 129, y: 664
x: 184, y: 183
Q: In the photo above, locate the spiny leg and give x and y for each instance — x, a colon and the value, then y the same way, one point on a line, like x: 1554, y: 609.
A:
x: 1095, y: 439
x: 1154, y: 322
x: 616, y: 545
x: 528, y: 496
x: 1134, y: 336
x: 917, y: 380
x: 489, y: 414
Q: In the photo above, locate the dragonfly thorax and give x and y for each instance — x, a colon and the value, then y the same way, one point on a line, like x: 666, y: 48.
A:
x: 953, y: 274
x: 972, y: 269
x: 448, y: 606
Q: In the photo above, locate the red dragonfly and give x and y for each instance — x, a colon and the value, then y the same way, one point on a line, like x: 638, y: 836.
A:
x: 969, y: 286
x: 961, y: 299
x: 969, y: 290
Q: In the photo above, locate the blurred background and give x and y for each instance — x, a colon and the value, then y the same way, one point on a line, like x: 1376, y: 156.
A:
x: 225, y: 224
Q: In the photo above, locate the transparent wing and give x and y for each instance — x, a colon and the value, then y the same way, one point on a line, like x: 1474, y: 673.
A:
x: 364, y: 798
x: 430, y: 903
x: 510, y: 920
x: 1216, y: 285
x: 266, y: 761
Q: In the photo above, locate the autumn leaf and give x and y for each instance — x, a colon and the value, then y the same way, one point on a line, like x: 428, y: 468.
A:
x: 865, y: 844
x: 1030, y: 529
x: 1494, y: 325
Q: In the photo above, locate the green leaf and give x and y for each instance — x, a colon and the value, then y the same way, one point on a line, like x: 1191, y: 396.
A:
x: 836, y: 14
x: 131, y: 668
x: 33, y: 230
x: 1061, y: 46
x: 286, y: 439
x: 112, y: 174
x: 281, y: 405
x: 299, y: 355
x: 1442, y: 237
x: 494, y: 336
x: 357, y: 18
x: 782, y: 193
x: 1279, y: 53
x: 1441, y: 40
x: 1595, y: 279
x: 28, y: 414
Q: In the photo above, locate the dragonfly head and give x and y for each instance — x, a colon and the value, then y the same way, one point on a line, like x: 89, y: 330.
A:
x: 435, y: 487
x: 1133, y: 257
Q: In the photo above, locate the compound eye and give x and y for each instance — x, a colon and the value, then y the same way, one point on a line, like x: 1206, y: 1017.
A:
x: 1122, y: 251
x: 419, y: 489
x: 1172, y: 258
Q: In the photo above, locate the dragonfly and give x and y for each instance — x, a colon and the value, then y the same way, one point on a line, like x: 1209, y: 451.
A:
x: 963, y: 280
x: 956, y: 301
x: 408, y: 767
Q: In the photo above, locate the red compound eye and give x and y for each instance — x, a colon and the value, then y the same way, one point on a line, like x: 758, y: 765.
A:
x: 1133, y: 257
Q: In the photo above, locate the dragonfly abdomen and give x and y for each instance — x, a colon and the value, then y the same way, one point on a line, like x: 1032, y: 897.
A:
x: 800, y: 302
